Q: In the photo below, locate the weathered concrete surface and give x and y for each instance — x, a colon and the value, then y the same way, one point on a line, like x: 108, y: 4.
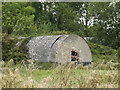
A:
x: 57, y: 48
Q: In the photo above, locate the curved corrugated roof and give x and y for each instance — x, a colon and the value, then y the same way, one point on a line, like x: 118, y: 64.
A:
x: 41, y: 46
x: 57, y: 48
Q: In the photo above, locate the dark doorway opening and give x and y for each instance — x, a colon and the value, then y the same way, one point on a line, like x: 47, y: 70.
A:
x: 74, y: 55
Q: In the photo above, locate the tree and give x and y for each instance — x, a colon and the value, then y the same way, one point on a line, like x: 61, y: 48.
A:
x: 18, y: 18
x: 59, y: 16
x: 106, y: 18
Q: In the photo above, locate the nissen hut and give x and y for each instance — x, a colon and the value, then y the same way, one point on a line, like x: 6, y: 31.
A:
x: 59, y: 48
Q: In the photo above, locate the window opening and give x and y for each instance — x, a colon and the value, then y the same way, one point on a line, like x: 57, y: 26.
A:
x: 74, y: 55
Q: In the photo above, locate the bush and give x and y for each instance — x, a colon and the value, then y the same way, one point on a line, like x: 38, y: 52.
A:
x: 13, y: 48
x: 101, y: 52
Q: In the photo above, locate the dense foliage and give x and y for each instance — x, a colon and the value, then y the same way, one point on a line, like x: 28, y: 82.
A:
x: 14, y: 48
x: 93, y: 19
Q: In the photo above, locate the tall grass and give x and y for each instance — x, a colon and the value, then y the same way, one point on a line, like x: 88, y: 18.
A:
x: 96, y: 75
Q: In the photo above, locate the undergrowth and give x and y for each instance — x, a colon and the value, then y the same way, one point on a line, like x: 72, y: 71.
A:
x: 95, y: 75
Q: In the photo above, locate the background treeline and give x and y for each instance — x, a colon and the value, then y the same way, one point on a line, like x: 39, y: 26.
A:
x: 88, y: 19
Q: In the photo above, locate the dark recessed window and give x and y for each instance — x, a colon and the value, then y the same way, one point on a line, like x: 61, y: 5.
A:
x: 74, y: 56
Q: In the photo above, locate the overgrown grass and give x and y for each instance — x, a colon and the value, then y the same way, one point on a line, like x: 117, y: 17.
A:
x: 101, y: 52
x: 102, y: 73
x: 96, y: 75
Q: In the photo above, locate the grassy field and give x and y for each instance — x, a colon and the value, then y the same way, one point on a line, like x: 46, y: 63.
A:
x: 97, y: 75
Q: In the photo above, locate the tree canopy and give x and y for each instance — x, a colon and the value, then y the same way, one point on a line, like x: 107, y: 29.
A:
x: 88, y: 19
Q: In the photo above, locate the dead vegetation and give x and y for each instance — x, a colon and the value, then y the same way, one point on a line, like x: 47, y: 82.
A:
x: 97, y: 75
